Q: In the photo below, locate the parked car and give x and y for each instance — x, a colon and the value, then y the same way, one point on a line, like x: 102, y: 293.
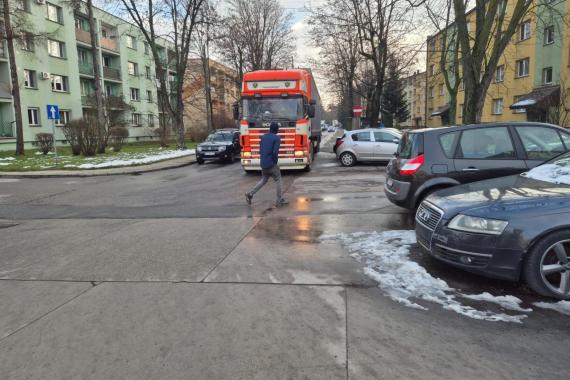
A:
x: 222, y: 144
x: 369, y: 144
x: 513, y: 228
x: 432, y: 159
x: 330, y: 128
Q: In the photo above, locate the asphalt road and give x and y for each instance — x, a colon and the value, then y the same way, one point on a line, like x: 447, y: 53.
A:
x: 171, y: 275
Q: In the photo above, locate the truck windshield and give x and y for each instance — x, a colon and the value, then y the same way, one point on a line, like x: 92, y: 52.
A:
x: 273, y: 108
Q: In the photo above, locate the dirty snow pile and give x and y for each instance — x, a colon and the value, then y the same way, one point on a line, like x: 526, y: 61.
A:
x: 387, y: 261
x: 562, y: 307
x: 558, y: 173
x: 6, y: 159
x: 139, y: 159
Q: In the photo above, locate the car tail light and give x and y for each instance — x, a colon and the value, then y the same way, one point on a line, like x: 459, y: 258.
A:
x: 338, y: 143
x: 412, y: 166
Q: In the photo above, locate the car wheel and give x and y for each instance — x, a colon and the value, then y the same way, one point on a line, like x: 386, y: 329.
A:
x: 199, y: 160
x: 547, y: 266
x: 347, y: 159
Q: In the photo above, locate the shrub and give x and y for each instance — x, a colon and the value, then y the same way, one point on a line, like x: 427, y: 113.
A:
x: 118, y: 136
x: 83, y: 135
x: 45, y: 142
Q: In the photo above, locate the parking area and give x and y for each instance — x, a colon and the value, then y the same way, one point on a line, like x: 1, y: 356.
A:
x: 171, y: 275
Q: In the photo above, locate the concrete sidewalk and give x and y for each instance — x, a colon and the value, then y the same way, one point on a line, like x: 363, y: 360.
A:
x: 160, y: 165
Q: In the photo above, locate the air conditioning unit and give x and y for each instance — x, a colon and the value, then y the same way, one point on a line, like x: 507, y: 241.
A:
x: 43, y: 74
x: 41, y: 1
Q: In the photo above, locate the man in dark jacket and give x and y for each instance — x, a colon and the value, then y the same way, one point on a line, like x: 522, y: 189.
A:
x: 269, y: 153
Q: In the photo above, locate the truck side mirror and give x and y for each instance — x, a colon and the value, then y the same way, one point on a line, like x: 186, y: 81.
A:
x: 311, y: 111
x: 236, y: 111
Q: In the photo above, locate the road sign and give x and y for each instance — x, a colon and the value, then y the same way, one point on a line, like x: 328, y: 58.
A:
x: 357, y: 111
x: 53, y: 112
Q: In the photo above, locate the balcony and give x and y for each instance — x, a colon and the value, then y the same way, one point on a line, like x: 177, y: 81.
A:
x: 7, y: 129
x: 83, y: 36
x: 110, y: 44
x: 3, y: 54
x: 5, y: 92
x: 86, y: 69
x: 111, y: 73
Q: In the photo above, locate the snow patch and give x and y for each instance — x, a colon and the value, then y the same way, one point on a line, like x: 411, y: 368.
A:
x: 386, y: 257
x: 562, y: 307
x: 7, y: 158
x: 143, y: 159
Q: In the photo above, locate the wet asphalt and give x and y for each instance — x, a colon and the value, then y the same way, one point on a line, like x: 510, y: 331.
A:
x: 85, y: 262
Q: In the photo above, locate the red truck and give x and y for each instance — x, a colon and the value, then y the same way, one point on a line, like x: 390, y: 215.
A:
x: 289, y: 98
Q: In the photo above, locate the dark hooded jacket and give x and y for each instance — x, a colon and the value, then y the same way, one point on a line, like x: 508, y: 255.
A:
x: 269, y: 150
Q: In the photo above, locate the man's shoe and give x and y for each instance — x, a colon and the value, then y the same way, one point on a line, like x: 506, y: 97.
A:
x: 248, y: 198
x: 281, y: 202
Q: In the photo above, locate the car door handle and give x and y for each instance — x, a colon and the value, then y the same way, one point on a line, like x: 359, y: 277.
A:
x: 470, y: 169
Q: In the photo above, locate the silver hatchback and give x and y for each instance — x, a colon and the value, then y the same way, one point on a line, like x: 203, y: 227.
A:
x: 371, y: 144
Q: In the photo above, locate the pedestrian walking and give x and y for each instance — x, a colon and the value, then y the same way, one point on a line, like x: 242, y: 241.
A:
x: 269, y: 153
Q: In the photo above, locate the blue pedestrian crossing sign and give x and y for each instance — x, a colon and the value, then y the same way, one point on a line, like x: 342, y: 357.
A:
x: 53, y: 112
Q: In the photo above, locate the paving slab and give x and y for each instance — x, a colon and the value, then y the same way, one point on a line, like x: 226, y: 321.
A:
x: 387, y: 340
x: 25, y: 301
x: 288, y: 250
x: 185, y: 331
x: 118, y: 250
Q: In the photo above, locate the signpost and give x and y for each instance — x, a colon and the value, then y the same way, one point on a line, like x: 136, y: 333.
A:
x: 53, y: 115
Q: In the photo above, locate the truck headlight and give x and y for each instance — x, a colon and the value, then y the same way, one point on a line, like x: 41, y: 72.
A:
x: 246, y: 154
x: 221, y: 148
x: 478, y: 225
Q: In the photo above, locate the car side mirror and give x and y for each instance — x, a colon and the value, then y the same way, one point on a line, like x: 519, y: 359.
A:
x: 236, y: 111
x: 311, y: 111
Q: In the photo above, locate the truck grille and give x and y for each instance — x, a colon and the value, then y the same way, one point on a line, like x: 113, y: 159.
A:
x: 428, y: 216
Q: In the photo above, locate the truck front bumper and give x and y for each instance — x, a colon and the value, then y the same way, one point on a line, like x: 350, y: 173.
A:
x: 284, y: 163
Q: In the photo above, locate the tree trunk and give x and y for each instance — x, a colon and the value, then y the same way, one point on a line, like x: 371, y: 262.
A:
x: 208, y: 91
x: 373, y: 111
x: 14, y: 79
x: 101, y: 114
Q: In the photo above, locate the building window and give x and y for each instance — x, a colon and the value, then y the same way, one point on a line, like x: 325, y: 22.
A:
x: 149, y: 96
x: 522, y: 68
x: 131, y: 42
x: 23, y: 5
x: 147, y: 72
x: 30, y: 79
x: 63, y: 118
x: 136, y: 119
x: 500, y: 74
x: 516, y: 99
x: 547, y: 75
x: 56, y: 48
x: 135, y: 94
x: 146, y: 48
x: 497, y: 106
x: 430, y: 92
x: 108, y: 90
x: 82, y: 56
x: 150, y: 120
x: 549, y: 35
x: 441, y: 90
x: 33, y: 116
x: 524, y: 31
x: 432, y: 70
x: 59, y: 83
x: 107, y: 61
x: 54, y: 13
x: 27, y: 41
x: 133, y: 68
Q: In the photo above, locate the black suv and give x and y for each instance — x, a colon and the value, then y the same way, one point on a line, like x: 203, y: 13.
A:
x: 428, y: 160
x: 222, y: 144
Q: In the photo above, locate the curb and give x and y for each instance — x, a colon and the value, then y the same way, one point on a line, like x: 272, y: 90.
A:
x: 139, y: 169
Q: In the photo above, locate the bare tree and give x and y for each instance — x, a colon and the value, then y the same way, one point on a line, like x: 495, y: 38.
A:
x: 179, y: 19
x: 257, y: 35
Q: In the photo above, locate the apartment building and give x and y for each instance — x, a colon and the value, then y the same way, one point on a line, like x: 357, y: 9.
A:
x: 532, y: 79
x: 225, y: 89
x: 55, y: 67
x: 414, y: 89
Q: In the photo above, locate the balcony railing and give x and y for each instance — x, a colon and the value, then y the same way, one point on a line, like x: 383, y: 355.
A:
x: 110, y: 44
x: 2, y: 51
x: 83, y: 36
x: 7, y: 129
x: 112, y: 73
x: 86, y: 68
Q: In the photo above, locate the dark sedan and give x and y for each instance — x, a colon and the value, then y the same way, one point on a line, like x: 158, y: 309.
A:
x: 515, y: 228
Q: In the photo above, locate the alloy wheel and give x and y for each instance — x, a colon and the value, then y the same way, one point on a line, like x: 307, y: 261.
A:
x: 347, y: 159
x: 555, y: 268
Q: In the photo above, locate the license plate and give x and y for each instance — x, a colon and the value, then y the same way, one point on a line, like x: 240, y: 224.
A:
x: 390, y: 182
x: 209, y: 153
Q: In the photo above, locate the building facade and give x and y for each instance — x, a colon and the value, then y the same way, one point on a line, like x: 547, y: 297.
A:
x: 532, y: 79
x: 55, y: 67
x: 225, y: 91
x: 414, y: 89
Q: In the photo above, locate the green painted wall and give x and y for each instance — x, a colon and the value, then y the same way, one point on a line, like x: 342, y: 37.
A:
x: 548, y: 55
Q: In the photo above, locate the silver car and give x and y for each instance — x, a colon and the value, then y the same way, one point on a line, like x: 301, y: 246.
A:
x: 371, y: 144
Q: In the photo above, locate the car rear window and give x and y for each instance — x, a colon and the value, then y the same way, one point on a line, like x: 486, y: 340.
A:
x: 446, y: 141
x: 361, y: 136
x: 411, y: 145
